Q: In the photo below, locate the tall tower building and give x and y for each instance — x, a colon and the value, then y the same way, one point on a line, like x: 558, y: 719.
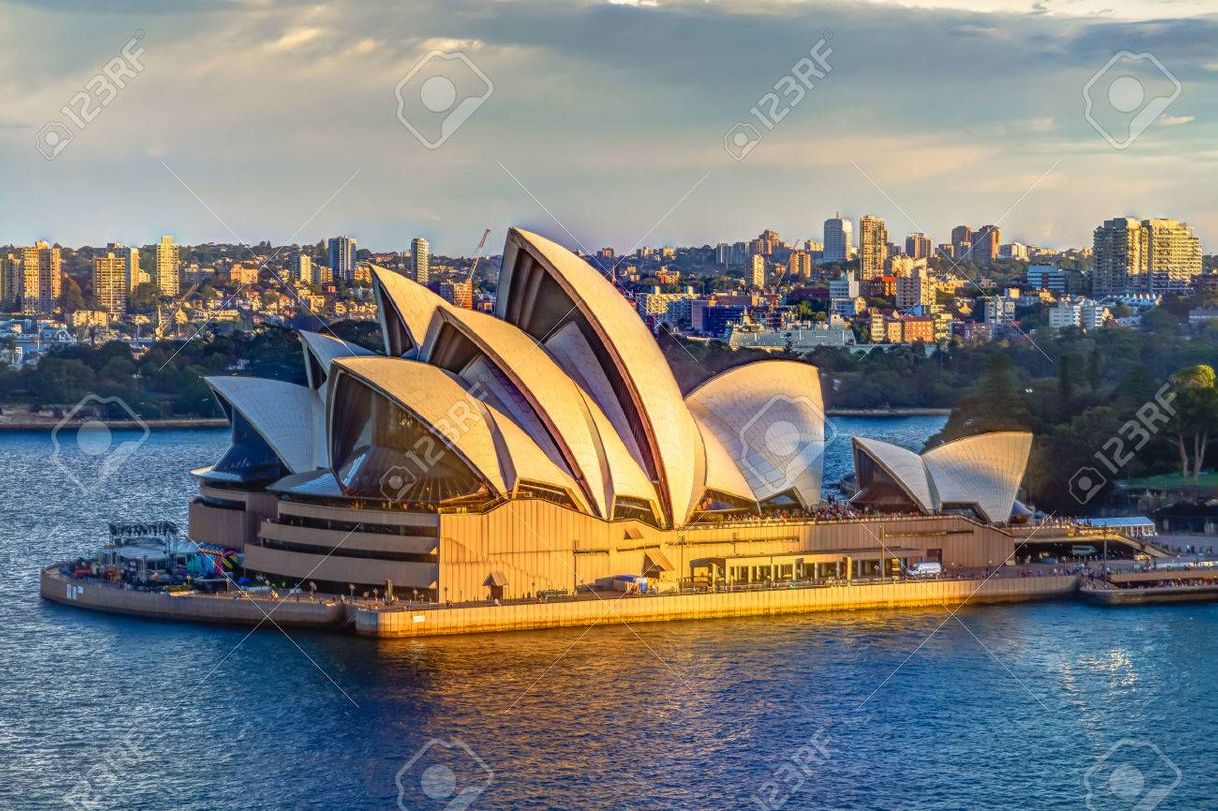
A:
x: 110, y: 281
x: 1142, y: 256
x: 342, y: 258
x: 799, y: 265
x: 986, y: 243
x: 10, y: 280
x: 41, y: 278
x: 873, y: 247
x: 27, y: 282
x: 420, y: 260
x: 838, y: 239
x: 962, y: 243
x: 131, y: 263
x: 302, y: 268
x: 1173, y: 254
x: 757, y: 269
x: 1120, y: 249
x: 166, y: 274
x: 915, y: 289
x: 918, y: 246
x: 766, y: 243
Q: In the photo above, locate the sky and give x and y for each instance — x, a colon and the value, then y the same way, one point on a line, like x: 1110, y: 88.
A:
x: 601, y: 123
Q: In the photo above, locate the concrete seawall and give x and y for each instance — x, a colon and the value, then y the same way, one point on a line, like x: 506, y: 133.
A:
x: 614, y: 609
x: 397, y: 621
x: 236, y: 610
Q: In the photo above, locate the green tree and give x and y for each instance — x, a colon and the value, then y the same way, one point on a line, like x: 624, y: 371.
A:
x: 1196, y: 412
x: 61, y: 381
x: 996, y: 403
x: 144, y: 298
x: 71, y: 298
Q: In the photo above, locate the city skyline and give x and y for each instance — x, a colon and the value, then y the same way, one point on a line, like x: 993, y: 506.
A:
x: 190, y: 126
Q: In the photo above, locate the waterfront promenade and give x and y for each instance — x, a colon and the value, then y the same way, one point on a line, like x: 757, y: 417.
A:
x: 377, y: 618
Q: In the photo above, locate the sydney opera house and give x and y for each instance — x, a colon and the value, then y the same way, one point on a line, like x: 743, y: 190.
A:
x: 548, y: 445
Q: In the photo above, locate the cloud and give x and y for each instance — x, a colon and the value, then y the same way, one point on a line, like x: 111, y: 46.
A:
x: 981, y: 31
x: 294, y: 39
x: 1175, y: 120
x: 609, y: 113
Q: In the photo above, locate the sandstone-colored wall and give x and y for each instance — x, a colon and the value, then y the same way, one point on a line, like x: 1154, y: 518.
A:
x: 539, y: 545
x: 639, y: 609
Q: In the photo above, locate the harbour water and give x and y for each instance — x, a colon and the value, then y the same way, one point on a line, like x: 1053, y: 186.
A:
x: 995, y: 707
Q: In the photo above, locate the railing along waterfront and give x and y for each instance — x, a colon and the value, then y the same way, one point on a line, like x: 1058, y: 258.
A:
x: 979, y: 574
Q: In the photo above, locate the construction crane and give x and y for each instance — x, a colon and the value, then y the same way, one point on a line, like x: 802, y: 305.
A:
x: 478, y: 255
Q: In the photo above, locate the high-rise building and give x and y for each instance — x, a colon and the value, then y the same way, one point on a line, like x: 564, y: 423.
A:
x: 962, y: 243
x: 1173, y: 253
x: 757, y: 271
x: 131, y: 258
x: 342, y: 258
x: 723, y: 254
x: 766, y: 243
x: 1142, y: 256
x: 986, y: 243
x: 167, y: 273
x: 27, y: 283
x: 302, y: 268
x: 131, y: 263
x: 420, y: 260
x: 10, y: 280
x: 873, y: 247
x: 41, y: 278
x: 110, y: 282
x: 918, y: 246
x: 1120, y: 256
x: 732, y: 254
x: 800, y: 265
x: 460, y: 294
x: 915, y: 289
x: 839, y: 240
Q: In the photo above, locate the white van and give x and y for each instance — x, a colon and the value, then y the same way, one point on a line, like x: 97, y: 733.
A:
x: 926, y: 568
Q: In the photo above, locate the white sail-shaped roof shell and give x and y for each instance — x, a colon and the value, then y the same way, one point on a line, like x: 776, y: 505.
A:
x: 983, y: 470
x: 326, y: 348
x: 769, y: 418
x: 287, y: 416
x: 404, y: 308
x: 904, y: 467
x: 486, y: 439
x: 722, y: 469
x: 589, y: 446
x: 667, y: 426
